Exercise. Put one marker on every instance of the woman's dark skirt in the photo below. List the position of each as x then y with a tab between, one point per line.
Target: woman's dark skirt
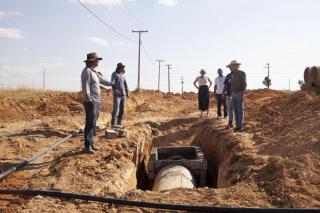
203	97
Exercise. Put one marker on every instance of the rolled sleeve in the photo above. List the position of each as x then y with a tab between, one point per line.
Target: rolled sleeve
104	81
85	82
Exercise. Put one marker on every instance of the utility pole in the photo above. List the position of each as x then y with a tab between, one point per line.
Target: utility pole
44	79
159	61
169	67
289	84
182	82
268	67
140	32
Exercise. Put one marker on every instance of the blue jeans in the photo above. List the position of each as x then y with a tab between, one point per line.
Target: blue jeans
230	108
92	111
118	109
238	106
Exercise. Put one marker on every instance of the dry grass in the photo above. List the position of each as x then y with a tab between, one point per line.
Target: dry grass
22	93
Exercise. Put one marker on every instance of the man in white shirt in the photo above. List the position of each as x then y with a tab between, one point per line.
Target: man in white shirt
218	93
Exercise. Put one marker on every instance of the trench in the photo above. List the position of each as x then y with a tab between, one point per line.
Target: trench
218	148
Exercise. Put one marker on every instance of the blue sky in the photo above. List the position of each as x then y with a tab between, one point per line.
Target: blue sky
189	34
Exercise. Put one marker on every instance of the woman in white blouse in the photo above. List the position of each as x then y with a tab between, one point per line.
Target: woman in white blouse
204	83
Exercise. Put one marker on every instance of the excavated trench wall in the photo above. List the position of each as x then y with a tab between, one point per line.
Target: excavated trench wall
222	153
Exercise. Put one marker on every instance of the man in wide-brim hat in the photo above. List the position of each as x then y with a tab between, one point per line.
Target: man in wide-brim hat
120	93
90	81
238	87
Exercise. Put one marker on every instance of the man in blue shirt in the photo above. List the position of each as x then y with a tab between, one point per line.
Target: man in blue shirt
120	92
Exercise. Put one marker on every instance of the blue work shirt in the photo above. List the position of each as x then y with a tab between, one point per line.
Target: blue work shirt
119	84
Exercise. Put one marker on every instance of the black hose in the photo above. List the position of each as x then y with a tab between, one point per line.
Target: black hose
194	208
38	155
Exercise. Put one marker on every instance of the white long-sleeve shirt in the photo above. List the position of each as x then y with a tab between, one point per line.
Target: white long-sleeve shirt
90	81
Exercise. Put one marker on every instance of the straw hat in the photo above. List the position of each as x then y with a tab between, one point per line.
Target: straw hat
92	57
233	62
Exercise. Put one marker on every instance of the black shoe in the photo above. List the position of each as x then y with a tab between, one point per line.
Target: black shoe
88	150
238	130
95	148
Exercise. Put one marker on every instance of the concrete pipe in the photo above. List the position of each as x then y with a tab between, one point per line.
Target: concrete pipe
172	177
315	75
307	75
306	87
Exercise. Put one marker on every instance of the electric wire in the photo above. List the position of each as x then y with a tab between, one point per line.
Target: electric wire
105	23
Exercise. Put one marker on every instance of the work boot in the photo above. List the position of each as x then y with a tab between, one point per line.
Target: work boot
95	148
230	125
239	130
88	150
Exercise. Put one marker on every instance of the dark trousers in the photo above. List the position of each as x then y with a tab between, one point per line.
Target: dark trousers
203	98
92	111
221	101
118	109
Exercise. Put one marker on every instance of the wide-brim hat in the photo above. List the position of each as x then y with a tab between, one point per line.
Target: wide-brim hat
120	65
92	57
233	62
202	71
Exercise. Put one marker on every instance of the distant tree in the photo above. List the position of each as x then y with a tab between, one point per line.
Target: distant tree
267	82
300	82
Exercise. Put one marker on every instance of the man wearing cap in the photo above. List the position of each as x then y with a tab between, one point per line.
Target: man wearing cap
91	80
238	87
120	92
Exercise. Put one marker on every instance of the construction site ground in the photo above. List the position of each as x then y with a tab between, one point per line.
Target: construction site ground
275	162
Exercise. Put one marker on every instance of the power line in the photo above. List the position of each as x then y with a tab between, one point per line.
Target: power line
147	54
137	21
103	22
129	16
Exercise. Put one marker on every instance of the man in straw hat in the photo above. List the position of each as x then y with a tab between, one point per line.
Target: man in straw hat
238	87
91	80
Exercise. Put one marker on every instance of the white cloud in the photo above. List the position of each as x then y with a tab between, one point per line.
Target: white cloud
108	3
97	41
51	65
11	33
6	14
297	47
168	3
3	59
122	44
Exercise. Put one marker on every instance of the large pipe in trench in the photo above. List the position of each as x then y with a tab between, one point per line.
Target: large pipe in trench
172	177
